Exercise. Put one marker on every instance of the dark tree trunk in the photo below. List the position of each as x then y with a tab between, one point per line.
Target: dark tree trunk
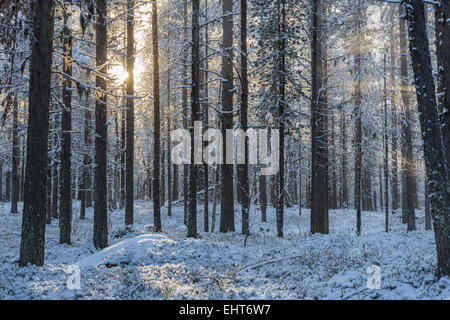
244	183
157	123
163	174
442	22
185	108
263	197
344	197
169	162
15	157
49	189
280	190
386	152
319	139
34	209
427	206
65	205
381	190
434	152
215	200
409	161
206	122
8	186
101	130
195	116
86	198
358	127
129	185
227	194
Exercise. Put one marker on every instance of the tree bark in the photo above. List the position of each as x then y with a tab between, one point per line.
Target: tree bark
129	153
65	206
185	109
195	116
358	141
434	152
34	209
227	194
157	123
409	161
442	15
319	139
101	130
244	183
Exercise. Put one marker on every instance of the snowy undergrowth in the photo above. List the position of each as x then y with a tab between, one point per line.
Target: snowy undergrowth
143	265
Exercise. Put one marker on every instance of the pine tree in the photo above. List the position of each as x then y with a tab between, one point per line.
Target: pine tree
129	194
227	194
434	152
101	206
34	208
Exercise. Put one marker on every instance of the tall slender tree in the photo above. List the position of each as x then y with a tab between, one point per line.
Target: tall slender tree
434	151
34	208
101	130
195	116
358	115
227	193
129	186
157	123
319	144
408	171
65	207
244	185
442	23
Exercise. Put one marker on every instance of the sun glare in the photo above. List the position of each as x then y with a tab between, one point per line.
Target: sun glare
118	74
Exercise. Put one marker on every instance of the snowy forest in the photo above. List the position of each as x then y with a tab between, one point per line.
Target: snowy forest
220	149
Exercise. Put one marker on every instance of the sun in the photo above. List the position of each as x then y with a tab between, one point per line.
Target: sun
118	74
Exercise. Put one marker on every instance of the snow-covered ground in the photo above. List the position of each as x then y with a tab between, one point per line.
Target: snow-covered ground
143	265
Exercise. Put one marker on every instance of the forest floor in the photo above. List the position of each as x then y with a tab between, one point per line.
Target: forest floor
144	265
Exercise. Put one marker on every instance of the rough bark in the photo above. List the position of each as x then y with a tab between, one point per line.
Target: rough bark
244	183
407	132
319	135
101	202
434	152
129	153
358	127
195	116
227	193
442	15
34	209
157	123
65	206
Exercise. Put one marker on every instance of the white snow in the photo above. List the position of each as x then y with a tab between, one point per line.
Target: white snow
142	265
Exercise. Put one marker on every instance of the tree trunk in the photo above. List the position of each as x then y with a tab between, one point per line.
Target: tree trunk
442	22
185	108
227	194
34	209
195	116
101	130
358	141
434	151
169	162
157	123
15	157
129	153
386	152
409	161
319	139
206	122
244	183
65	206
